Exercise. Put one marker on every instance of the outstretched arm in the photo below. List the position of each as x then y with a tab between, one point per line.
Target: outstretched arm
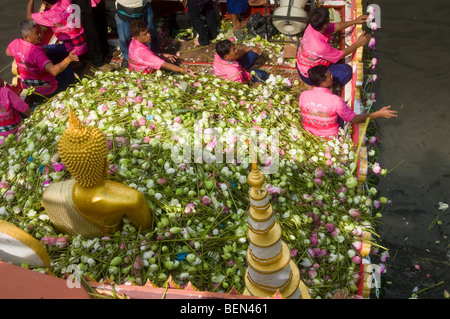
345	24
385	112
361	41
30	9
55	69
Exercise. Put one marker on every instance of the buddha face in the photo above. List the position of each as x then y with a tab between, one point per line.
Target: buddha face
84	152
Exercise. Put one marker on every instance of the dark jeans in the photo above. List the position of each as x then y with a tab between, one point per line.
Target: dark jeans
206	8
342	73
123	31
94	22
247	62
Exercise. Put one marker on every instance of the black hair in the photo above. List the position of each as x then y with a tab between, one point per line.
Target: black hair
317	74
52	2
223	47
136	26
319	17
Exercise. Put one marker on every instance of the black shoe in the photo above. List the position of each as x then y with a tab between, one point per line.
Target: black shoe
124	64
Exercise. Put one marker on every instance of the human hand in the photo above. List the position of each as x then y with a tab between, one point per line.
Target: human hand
169	57
72	57
190	72
364	39
386	112
361	19
256	50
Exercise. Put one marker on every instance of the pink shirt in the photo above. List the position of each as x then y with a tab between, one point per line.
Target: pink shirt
142	59
230	70
320	108
316	50
31	60
58	17
11	105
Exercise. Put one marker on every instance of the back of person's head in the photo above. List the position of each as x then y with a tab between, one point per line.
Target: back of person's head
51	2
223	47
319	17
137	26
317	74
26	26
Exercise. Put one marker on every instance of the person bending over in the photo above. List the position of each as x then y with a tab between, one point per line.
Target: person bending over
35	68
12	108
231	63
320	108
142	59
315	48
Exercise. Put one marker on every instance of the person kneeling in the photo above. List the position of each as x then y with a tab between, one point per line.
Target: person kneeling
321	108
233	64
142	59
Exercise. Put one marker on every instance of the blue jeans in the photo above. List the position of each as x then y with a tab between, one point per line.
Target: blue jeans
342	73
123	30
247	62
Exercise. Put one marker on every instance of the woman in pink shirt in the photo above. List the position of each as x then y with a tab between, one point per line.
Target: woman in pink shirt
142	59
11	107
315	48
35	68
321	108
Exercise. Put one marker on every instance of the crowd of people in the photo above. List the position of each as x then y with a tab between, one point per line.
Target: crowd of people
48	69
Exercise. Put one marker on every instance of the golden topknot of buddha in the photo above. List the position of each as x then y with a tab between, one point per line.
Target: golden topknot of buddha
84	151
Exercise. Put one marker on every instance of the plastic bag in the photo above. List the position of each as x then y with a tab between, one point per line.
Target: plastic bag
260	25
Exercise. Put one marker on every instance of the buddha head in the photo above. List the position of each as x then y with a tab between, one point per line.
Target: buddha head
84	152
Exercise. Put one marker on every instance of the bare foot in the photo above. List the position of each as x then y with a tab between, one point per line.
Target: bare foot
196	43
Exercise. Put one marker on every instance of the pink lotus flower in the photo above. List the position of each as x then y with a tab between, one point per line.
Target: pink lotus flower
149	104
318	181
61	242
47	182
142	121
372	43
51	241
161	181
58	167
354	212
4	184
372	139
329	227
356	259
357	245
10	194
206	200
121	141
376	168
294	253
319	173
177	119
339	170
112	169
189	208
147	139
102	90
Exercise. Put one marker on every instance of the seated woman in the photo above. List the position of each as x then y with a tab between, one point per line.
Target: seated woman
88	204
11	108
142	59
34	66
315	48
233	64
320	108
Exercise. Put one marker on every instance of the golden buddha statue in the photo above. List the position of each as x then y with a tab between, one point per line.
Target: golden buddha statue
88	204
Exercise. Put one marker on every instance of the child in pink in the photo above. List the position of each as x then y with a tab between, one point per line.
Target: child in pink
233	64
11	105
59	16
141	58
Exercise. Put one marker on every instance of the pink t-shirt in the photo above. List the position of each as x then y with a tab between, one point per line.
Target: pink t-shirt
31	60
11	105
230	70
316	50
58	17
320	108
142	59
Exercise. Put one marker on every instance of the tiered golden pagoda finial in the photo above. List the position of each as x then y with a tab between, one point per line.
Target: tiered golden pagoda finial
270	268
